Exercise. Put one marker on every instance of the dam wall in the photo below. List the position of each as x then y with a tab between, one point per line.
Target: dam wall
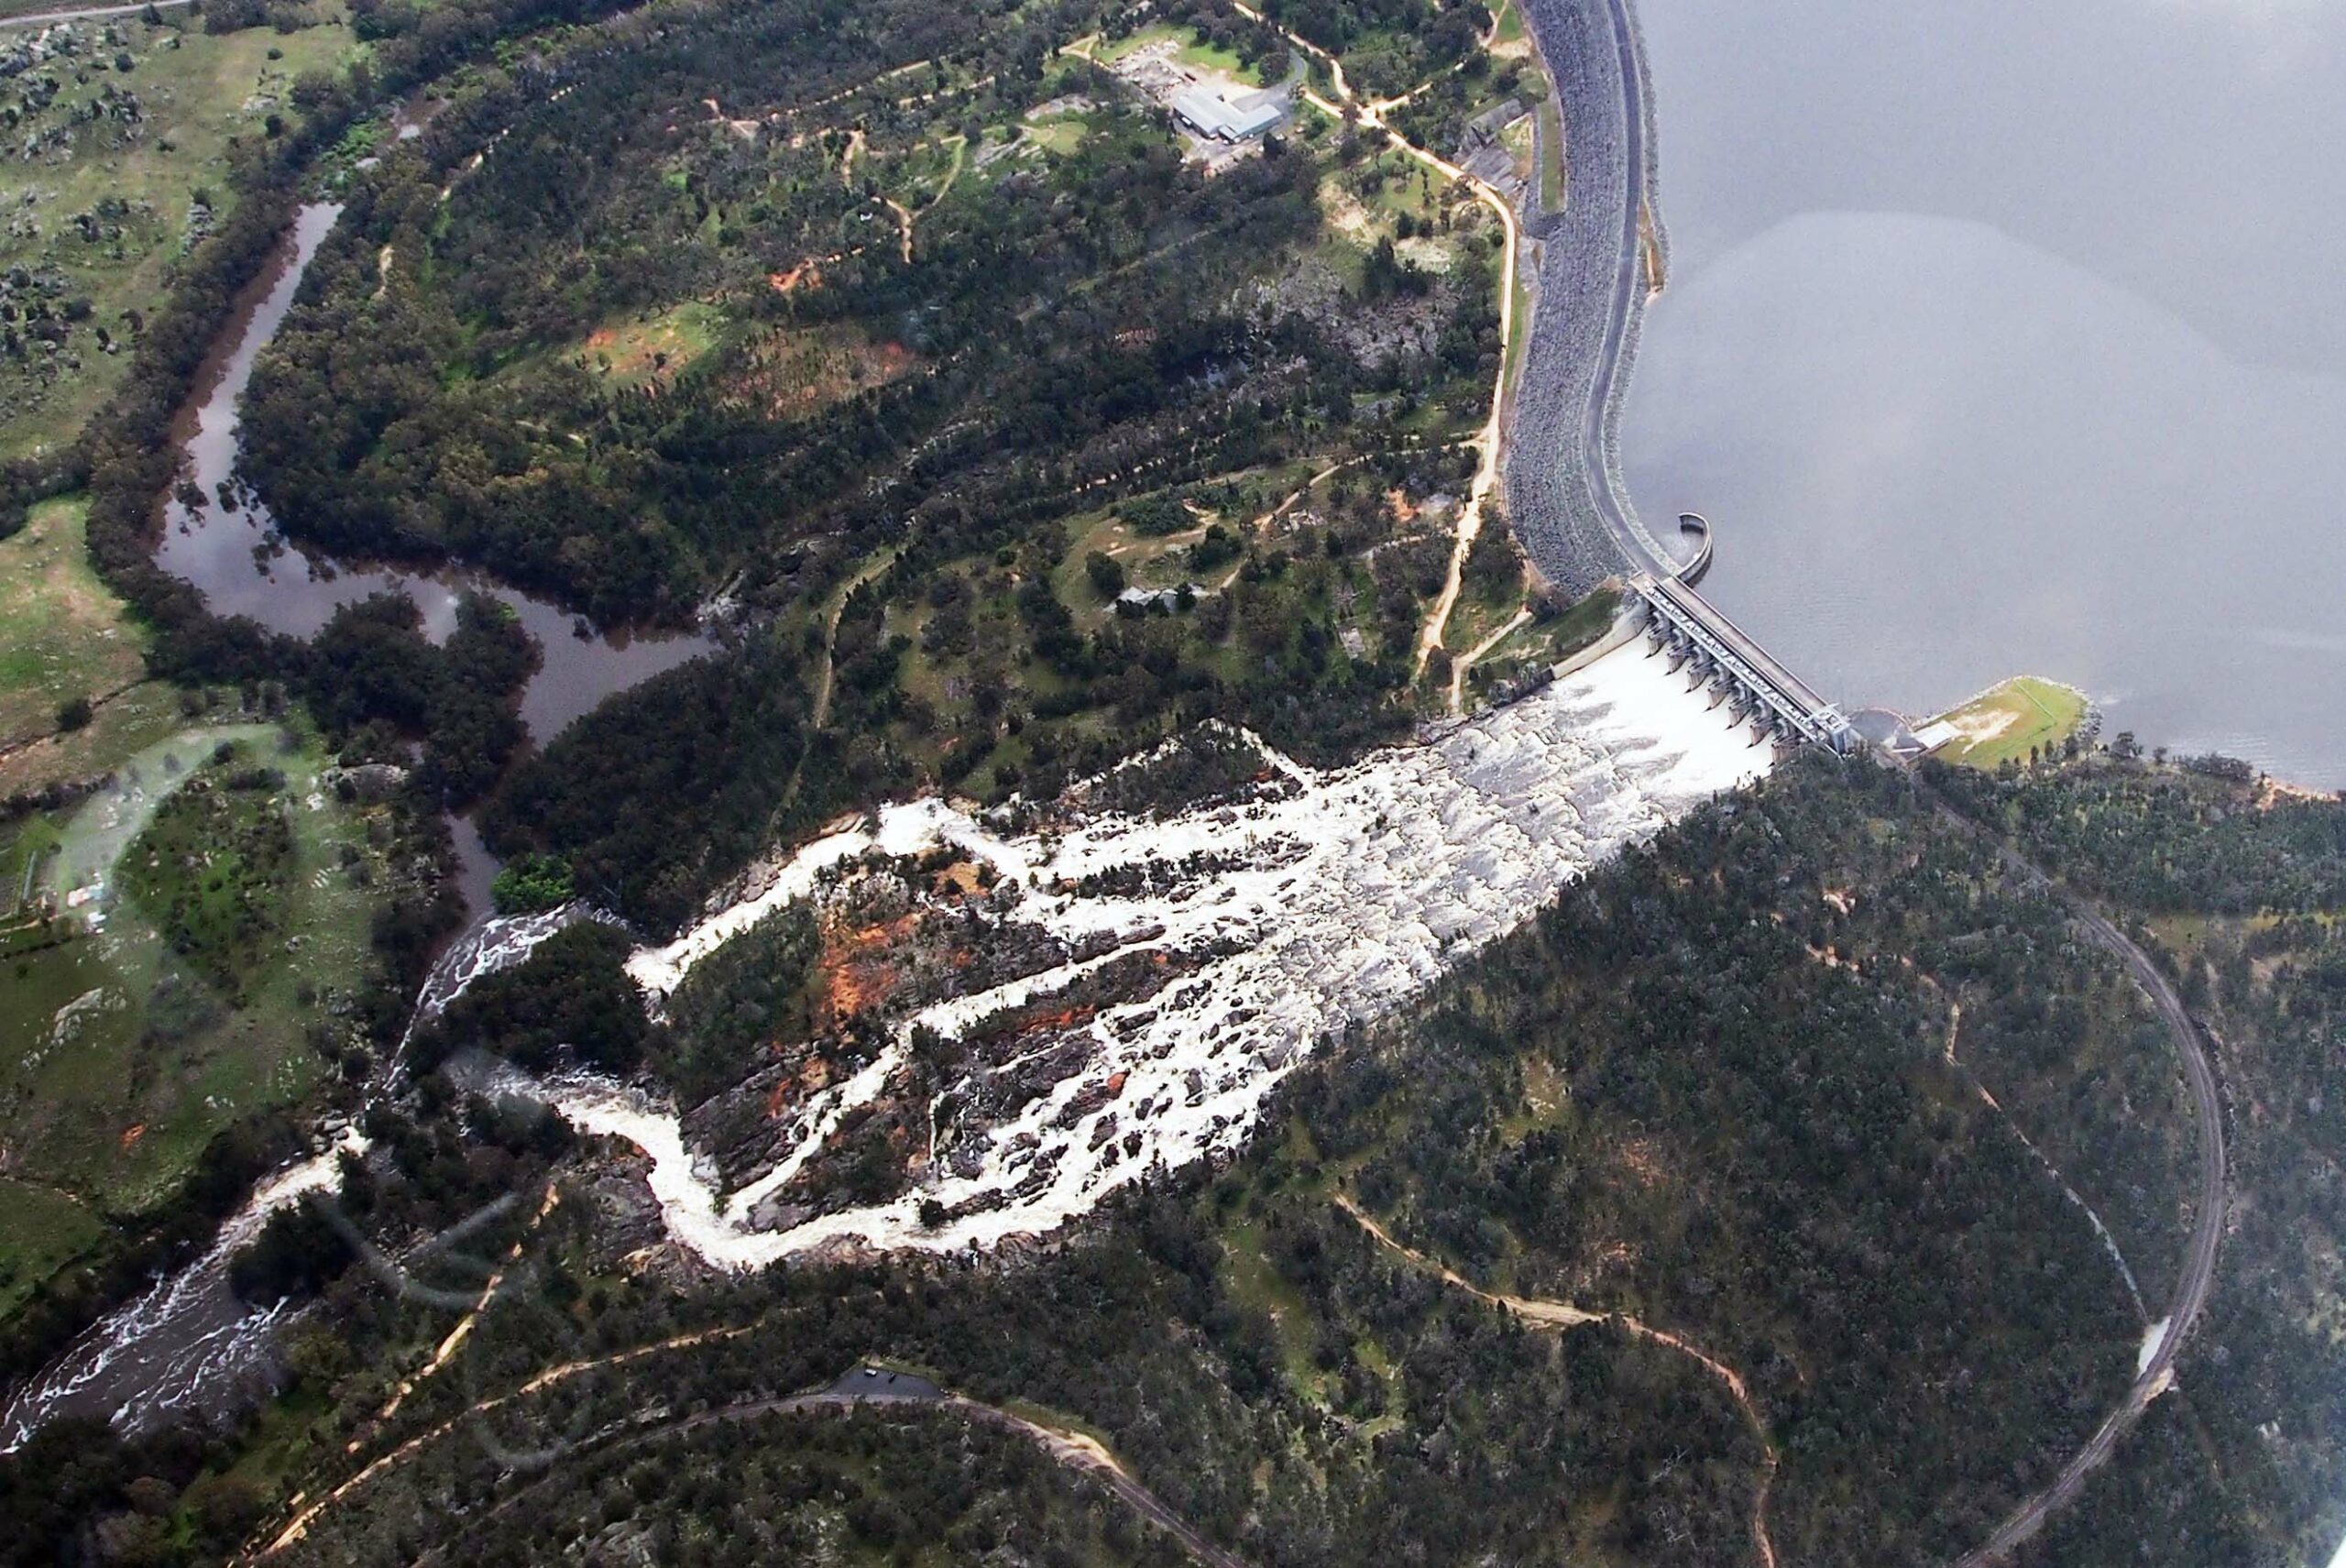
1566	494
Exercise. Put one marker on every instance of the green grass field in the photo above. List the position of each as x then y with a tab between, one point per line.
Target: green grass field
63	634
1191	51
124	1055
136	183
2001	724
1549	156
643	349
41	1230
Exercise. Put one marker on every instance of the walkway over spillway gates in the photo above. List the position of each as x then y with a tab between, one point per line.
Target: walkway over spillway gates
1684	624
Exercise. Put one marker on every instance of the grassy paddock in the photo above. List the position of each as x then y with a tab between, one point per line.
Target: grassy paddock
2002	723
129	1049
1192	52
41	1230
63	634
198	93
644	349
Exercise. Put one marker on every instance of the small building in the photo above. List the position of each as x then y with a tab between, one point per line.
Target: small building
1485	127
1936	734
1210	114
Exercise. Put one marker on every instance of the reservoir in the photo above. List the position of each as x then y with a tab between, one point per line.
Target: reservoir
2004	339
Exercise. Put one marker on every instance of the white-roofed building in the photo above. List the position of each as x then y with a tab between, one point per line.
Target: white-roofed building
1209	113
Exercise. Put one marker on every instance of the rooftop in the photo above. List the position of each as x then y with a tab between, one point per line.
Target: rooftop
1209	114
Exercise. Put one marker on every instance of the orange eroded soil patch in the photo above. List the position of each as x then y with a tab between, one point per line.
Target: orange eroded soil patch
856	966
648	353
793	373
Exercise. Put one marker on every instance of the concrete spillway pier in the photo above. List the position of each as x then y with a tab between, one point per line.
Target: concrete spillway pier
1565	493
1762	690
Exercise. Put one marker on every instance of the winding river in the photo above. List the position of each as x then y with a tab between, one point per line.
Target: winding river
187	1344
2005	339
244	567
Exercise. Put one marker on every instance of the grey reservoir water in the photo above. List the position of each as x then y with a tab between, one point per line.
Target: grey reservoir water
2013	338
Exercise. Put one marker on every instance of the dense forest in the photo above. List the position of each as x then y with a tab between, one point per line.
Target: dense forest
1729	1089
2239	888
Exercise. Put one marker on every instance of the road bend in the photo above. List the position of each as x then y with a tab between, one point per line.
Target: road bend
1577	525
860	1388
2198	1273
1569	503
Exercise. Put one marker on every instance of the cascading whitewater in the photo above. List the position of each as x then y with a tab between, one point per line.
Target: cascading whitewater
1332	902
183	1342
1344	894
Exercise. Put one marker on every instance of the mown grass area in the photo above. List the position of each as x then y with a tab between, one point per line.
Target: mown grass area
134	721
1549	154
1559	637
652	347
1526	299
63	634
198	979
41	1230
1159	561
1060	135
1190	51
133	183
2001	725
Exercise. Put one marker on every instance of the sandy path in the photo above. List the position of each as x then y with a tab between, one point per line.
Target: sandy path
1564	1315
1073	1450
1488	440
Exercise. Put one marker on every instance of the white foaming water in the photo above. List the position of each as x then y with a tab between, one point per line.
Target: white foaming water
187	1338
1344	898
498	943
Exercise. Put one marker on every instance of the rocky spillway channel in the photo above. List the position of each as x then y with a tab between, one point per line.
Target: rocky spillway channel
1127	989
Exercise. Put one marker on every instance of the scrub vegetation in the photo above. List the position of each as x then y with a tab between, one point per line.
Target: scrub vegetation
1728	1093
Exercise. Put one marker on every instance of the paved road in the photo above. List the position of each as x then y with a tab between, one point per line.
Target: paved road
1611	382
86	14
2200	1262
1563	486
1561	483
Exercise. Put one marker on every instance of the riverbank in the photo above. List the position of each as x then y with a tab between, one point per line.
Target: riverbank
243	565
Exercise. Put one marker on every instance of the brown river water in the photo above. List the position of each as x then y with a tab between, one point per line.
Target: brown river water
244	567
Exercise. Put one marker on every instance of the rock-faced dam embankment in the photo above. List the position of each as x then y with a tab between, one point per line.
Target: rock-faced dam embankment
1564	484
